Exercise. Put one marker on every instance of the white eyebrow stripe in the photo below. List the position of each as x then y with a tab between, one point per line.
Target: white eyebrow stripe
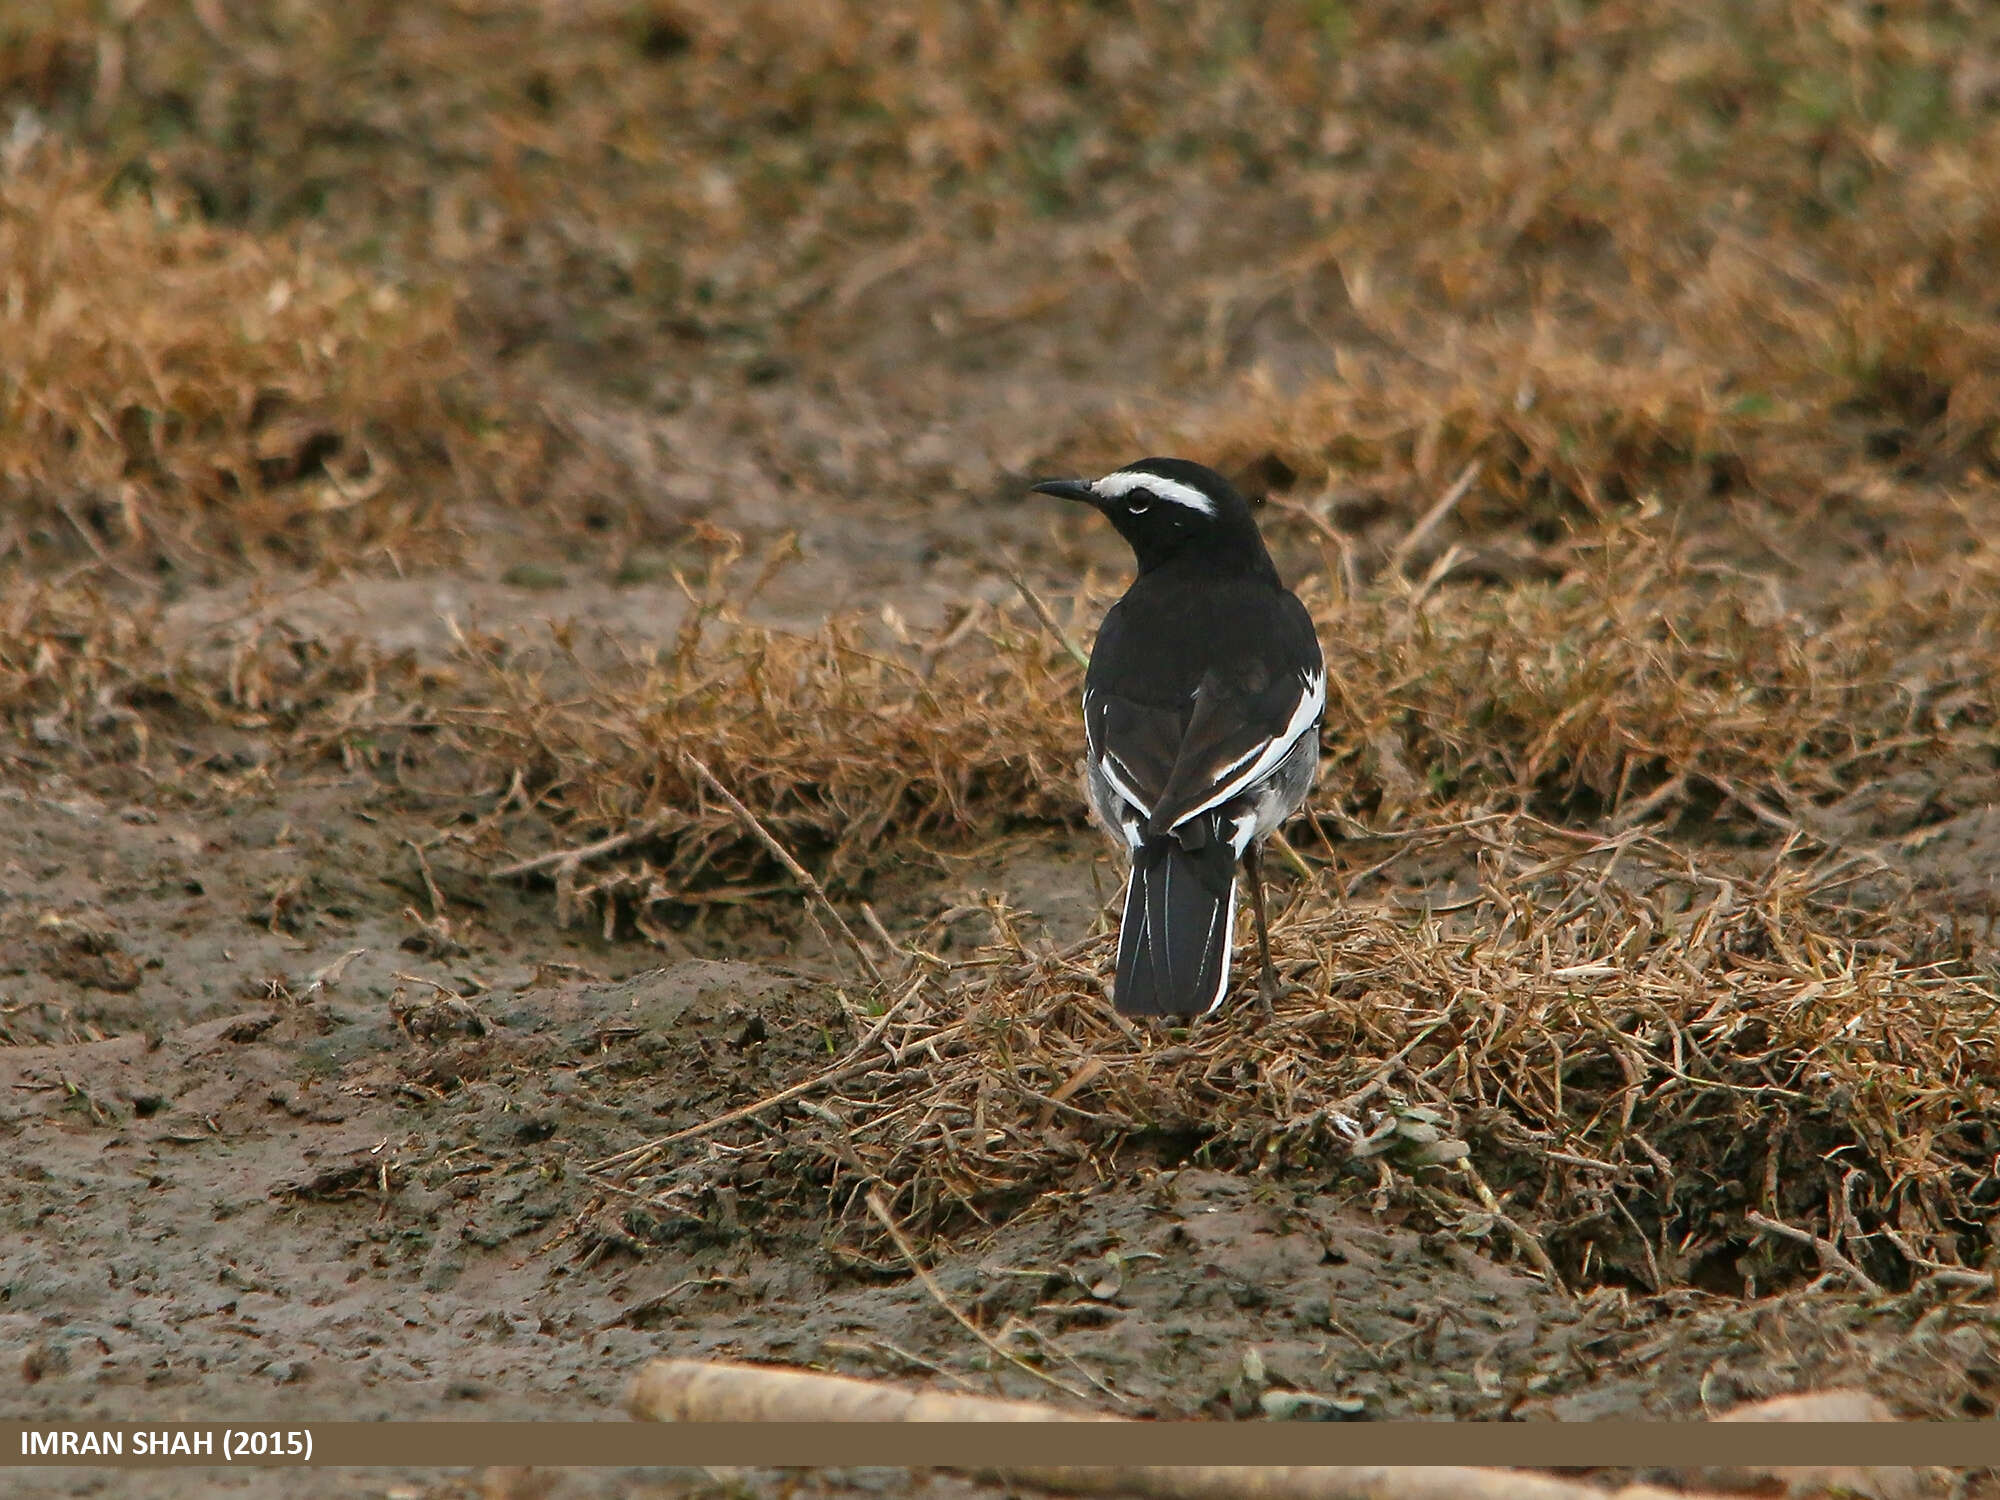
1116	486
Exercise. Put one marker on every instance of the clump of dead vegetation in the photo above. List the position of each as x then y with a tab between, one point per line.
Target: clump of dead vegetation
1648	250
173	392
1644	675
1607	1058
1722	1060
66	661
1604	956
852	748
1711	1062
90	681
1639	684
1771	215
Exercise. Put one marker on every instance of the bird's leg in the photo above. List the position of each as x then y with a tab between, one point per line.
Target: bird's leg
1267	986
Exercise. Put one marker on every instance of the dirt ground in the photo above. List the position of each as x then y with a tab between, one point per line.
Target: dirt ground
1653	874
289	1170
285	1177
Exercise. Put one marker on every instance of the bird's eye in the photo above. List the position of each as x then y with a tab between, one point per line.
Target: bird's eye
1139	503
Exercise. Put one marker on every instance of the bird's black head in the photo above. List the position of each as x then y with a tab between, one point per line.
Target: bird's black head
1169	508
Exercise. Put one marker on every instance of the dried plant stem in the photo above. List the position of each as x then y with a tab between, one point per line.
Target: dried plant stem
1048	619
1317	1482
783	856
1530	1245
888	1222
1829	1253
1292	856
1431	519
1635	813
692	1390
573	857
430	884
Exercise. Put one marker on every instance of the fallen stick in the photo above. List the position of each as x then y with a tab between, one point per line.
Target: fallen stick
1048	619
688	1390
693	1390
1319	1482
1830	1258
783	855
609	845
1432	518
888	1221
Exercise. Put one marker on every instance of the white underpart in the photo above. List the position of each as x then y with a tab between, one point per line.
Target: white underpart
1273	751
1117	486
1266	813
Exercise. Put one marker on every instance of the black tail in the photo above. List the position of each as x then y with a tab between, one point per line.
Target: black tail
1180	914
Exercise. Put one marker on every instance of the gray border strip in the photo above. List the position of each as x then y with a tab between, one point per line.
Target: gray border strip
1679	1445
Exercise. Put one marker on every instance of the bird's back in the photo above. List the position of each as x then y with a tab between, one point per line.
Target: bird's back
1170	631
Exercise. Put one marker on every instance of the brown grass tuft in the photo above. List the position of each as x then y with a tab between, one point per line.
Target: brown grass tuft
1600	1059
169	390
854	748
1642	680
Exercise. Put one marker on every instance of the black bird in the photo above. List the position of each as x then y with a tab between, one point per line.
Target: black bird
1201	711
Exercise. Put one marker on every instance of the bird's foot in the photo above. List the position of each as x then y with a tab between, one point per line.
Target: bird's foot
1271	989
1268	991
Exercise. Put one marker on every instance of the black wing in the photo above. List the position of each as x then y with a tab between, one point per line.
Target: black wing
1184	707
1233	739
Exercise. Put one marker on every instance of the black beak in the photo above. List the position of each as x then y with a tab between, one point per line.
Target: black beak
1066	489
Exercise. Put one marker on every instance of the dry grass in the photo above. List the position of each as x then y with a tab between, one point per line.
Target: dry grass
88	681
1640	249
1643	667
1641	1043
1600	1060
1649	173
171	391
68	661
1640	683
1705	295
852	747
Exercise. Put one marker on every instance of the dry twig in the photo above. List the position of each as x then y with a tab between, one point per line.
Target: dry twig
881	1212
1828	1252
610	844
796	870
1431	519
1048	619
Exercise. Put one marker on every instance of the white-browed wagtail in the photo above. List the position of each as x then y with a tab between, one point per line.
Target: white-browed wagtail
1201	711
